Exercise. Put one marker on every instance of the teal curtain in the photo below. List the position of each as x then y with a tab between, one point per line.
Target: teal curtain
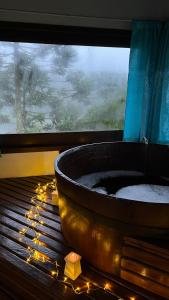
147	104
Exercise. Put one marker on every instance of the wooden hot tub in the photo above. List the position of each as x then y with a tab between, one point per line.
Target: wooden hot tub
94	219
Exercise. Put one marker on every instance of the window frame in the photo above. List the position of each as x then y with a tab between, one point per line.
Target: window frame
67	35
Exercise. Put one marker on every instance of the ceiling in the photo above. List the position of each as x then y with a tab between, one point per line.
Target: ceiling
107	13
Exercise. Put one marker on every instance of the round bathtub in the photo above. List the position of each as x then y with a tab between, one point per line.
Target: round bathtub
95	212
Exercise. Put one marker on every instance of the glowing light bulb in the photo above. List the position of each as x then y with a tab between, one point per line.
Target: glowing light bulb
22	231
107	286
65	279
77	290
54	273
88	286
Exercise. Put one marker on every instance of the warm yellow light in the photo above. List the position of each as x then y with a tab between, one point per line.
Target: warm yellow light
33	224
132	298
41	222
53	273
22	231
65	279
55	199
116	259
72	266
35	240
28	260
144	272
107	286
88	286
77	290
38	207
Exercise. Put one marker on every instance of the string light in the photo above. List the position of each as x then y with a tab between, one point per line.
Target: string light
107	286
33	218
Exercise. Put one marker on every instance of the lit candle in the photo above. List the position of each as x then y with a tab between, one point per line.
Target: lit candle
72	266
55	198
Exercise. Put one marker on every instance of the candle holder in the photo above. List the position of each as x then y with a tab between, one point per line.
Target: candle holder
72	266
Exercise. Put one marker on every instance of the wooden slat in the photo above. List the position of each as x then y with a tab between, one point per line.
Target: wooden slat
4	295
36	281
146	271
146	257
53	234
6	194
158	248
15	207
145	283
44	268
52	244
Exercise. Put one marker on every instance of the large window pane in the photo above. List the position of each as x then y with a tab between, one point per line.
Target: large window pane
51	88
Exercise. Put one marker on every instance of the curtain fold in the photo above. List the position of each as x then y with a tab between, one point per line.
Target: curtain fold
147	104
159	118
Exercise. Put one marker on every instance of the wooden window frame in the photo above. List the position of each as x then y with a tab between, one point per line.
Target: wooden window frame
68	35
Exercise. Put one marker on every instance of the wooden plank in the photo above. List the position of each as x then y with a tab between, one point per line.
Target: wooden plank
9	265
150	246
14	202
37	179
147	272
145	283
18	199
12	187
21	253
53	234
123	288
50	243
14	236
4	295
22	211
27	282
146	257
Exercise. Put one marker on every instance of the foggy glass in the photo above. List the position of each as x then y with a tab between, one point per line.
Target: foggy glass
51	88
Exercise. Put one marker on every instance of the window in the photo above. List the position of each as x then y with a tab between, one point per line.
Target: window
51	88
62	84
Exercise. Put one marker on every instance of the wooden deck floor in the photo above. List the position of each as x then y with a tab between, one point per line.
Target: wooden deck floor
20	280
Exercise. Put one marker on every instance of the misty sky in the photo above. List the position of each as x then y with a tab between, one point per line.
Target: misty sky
89	58
92	58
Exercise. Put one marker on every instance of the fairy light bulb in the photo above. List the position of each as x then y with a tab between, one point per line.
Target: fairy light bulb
53	273
22	231
107	286
88	286
77	290
39	202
